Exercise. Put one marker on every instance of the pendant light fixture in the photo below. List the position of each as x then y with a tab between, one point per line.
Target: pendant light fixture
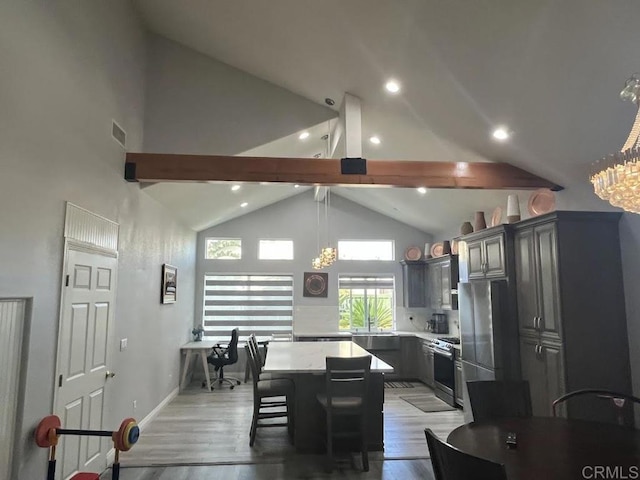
328	254
316	263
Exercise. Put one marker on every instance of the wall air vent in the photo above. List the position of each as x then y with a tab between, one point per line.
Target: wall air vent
118	134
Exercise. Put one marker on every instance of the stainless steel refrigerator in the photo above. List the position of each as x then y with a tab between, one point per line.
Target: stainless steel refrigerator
488	333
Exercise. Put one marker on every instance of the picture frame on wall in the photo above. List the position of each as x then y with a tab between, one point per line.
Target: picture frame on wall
169	287
315	284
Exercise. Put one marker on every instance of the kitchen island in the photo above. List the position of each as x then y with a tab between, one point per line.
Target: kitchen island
304	363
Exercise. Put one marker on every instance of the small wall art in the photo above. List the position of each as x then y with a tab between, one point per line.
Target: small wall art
315	284
169	286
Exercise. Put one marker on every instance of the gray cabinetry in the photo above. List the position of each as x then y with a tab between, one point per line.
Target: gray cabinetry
487	258
409	358
542	365
425	363
413	279
442	282
571	309
537	280
459	384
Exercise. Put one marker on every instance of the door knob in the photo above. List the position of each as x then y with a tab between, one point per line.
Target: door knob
110	374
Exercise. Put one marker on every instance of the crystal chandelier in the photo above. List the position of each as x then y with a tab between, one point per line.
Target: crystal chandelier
616	177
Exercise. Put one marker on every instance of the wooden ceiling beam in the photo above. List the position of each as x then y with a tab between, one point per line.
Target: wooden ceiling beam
160	167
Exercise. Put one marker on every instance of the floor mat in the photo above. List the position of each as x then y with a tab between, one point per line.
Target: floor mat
397	385
427	402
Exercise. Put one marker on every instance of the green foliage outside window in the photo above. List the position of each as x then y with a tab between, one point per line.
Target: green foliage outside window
354	309
224	248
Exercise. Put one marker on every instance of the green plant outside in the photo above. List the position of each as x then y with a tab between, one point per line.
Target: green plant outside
224	249
353	310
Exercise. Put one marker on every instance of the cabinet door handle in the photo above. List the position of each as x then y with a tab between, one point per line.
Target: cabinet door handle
539	323
535	324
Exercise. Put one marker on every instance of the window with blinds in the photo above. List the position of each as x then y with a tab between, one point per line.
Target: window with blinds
366	302
260	304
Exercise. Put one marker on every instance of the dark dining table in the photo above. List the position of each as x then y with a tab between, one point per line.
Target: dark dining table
553	448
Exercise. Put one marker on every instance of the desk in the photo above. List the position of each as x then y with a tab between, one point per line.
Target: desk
305	364
552	448
202	348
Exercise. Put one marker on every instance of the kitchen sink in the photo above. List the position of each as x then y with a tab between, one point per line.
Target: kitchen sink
377	340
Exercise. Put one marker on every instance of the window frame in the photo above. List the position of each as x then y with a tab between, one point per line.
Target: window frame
293	256
222	326
206	248
391	243
378	285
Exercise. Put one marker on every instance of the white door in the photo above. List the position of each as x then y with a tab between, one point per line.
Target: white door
88	302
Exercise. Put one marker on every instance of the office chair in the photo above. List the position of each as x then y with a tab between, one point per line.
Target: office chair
449	463
492	399
221	357
347	381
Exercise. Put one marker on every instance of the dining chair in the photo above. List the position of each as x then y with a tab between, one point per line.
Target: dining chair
623	417
272	398
345	395
260	359
492	399
450	463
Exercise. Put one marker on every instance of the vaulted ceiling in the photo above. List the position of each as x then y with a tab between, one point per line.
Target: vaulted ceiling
551	70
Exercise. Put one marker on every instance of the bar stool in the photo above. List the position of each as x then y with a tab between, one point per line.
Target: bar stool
347	380
267	399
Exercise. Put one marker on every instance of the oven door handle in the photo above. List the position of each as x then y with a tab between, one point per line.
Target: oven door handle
443	353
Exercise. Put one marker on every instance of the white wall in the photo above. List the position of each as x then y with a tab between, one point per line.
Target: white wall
295	218
68	68
198	105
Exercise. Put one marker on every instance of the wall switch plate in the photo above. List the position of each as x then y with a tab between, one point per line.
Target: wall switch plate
135	404
123	344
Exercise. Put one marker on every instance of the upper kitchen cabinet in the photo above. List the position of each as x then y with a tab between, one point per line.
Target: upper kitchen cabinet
485	254
413	279
571	308
442	282
537	280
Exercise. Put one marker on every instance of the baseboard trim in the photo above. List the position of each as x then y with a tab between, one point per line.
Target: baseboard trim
144	423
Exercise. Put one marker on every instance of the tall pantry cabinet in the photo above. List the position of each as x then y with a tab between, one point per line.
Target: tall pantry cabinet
571	311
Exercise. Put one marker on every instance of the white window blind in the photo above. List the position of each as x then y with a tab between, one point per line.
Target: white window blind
260	304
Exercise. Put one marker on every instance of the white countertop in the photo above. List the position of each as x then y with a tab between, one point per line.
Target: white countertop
309	357
400	333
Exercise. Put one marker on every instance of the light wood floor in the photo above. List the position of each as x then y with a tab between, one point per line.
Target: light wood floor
204	434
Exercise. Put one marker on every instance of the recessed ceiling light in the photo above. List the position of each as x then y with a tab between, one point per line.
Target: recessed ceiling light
235	188
244	204
501	133
375	140
303	135
392	86
296	186
421	190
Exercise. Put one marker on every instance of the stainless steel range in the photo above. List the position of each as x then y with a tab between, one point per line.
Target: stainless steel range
444	368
